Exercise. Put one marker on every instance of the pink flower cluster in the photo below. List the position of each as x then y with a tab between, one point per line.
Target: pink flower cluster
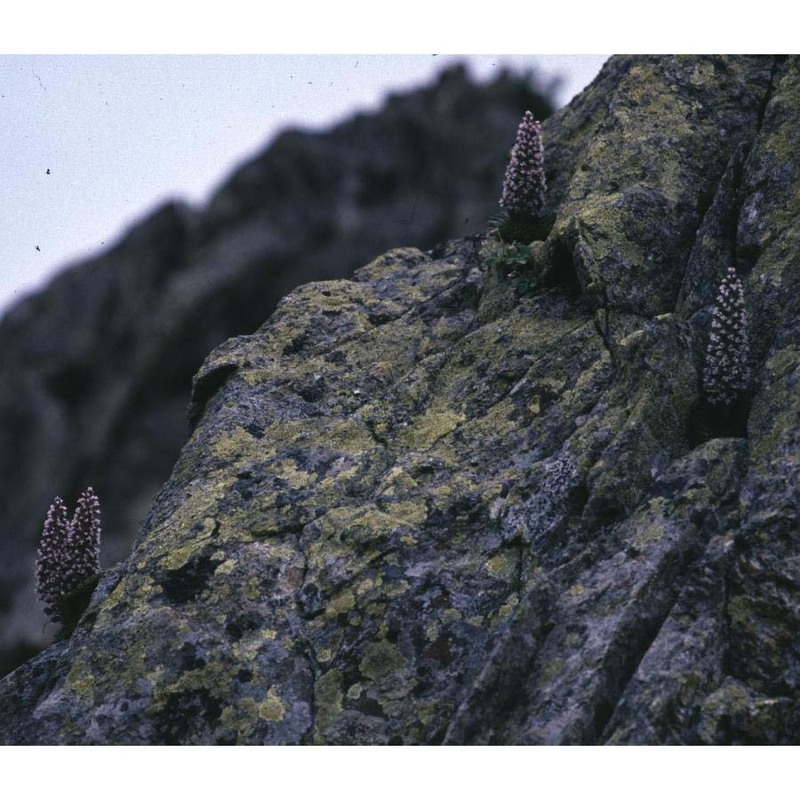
69	552
524	186
727	373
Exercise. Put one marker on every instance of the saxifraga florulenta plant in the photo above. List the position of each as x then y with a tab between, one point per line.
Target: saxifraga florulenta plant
68	560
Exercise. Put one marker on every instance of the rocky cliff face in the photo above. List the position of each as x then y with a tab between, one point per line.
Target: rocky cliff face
421	507
95	371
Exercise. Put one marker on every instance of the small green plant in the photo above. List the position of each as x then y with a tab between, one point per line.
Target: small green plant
507	229
514	262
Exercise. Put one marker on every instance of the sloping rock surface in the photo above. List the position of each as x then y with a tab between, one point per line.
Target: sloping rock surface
95	371
419	507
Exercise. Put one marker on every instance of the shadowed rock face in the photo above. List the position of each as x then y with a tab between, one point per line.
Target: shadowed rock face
95	371
417	507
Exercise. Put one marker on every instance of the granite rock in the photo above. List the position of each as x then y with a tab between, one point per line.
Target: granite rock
420	506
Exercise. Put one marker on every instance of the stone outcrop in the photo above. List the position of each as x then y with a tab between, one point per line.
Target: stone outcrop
421	506
95	371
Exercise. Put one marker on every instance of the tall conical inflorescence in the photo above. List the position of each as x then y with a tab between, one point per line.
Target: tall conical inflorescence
52	555
83	541
69	552
727	374
524	186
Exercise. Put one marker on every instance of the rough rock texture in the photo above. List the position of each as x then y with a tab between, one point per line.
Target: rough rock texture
95	371
419	508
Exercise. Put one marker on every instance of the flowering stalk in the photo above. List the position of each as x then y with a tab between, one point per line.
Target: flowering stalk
52	554
69	553
727	375
524	186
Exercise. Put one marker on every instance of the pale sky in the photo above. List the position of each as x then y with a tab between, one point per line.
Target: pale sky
90	144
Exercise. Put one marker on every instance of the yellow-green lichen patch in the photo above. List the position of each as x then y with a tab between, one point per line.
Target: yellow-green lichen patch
380	659
132	592
294	478
354	692
179	555
432	629
214	679
459	490
253	643
432	714
780	240
328	636
264	373
241	718
454	615
397	587
381	357
82	682
409	513
386	265
350	436
367	585
135	663
328	695
503	565
348	541
781	364
636	127
226	567
552	669
784	107
375	609
732	698
236	446
342	603
271	708
604	223
397	484
253	588
424	431
261	518
303	315
280	435
506	610
652	534
499	421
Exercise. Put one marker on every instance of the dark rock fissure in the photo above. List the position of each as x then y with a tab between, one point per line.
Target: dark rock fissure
187	583
637	645
777	63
